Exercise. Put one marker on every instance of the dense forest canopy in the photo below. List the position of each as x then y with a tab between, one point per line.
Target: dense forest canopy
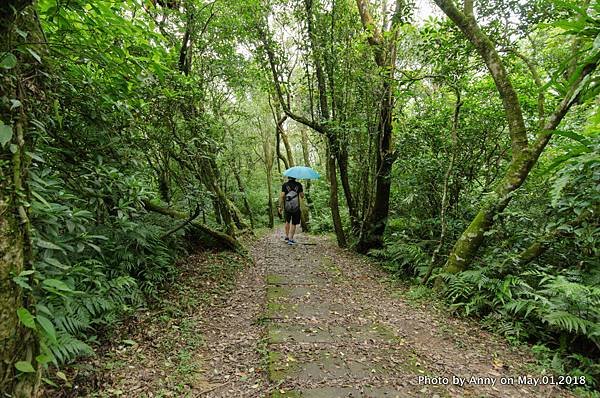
461	150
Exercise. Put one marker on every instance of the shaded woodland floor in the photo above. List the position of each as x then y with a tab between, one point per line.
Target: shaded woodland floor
308	320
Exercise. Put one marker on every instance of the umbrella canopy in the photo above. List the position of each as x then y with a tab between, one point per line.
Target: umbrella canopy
302	172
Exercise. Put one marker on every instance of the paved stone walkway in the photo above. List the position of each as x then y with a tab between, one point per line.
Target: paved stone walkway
333	331
320	344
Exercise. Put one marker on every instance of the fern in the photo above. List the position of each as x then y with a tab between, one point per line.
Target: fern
68	348
566	321
402	257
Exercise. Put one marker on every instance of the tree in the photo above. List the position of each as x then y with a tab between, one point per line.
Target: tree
320	127
384	52
524	154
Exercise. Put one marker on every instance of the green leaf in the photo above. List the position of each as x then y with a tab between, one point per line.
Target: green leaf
95	247
22	282
26	272
49	382
35	55
56	284
25	367
574	136
129	342
47	326
561	159
47	245
15	104
43	308
8	61
43	359
21	33
26	318
54	262
6	133
34	156
41	199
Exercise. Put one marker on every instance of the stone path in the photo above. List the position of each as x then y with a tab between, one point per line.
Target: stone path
334	330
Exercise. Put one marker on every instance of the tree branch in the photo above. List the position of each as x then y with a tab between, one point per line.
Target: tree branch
487	51
286	109
222	239
189	220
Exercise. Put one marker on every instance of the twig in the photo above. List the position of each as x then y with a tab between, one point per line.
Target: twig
189	220
214	388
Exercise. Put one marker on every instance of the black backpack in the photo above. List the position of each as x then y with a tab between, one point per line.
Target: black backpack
292	200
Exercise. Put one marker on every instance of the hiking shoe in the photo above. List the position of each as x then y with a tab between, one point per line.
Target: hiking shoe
286	239
291	242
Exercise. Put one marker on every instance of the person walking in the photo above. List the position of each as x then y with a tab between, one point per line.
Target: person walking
289	199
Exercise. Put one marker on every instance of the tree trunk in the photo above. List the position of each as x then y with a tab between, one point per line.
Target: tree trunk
342	160
17	343
384	52
221	240
242	190
237	217
447	175
309	201
217	211
268	160
278	135
184	63
373	229
270	199
333	200
287	146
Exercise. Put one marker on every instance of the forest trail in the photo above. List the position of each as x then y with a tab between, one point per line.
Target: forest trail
310	321
336	329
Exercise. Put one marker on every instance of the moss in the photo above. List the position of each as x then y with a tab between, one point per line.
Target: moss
276	292
469	242
278	368
286	394
273	279
274	309
386	333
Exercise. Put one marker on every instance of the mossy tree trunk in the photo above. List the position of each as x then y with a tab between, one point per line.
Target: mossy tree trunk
17	343
242	189
220	239
333	199
268	159
308	204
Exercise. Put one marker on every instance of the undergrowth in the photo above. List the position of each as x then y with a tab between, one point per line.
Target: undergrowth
549	298
165	331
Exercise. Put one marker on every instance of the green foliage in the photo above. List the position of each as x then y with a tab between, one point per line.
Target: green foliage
536	278
534	304
89	274
403	258
130	108
554	298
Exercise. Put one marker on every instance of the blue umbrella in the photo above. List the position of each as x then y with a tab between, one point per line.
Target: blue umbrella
302	172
